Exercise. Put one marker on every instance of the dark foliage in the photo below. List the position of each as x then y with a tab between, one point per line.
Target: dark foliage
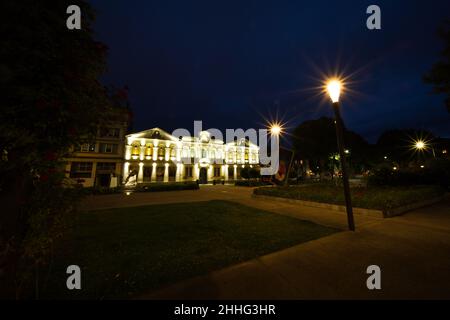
316	141
439	75
435	172
51	101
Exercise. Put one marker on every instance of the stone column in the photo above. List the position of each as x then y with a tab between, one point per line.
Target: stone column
167	153
140	177
155	153
235	172
166	172
142	153
153	177
178	172
225	172
126	167
195	172
127	152
210	173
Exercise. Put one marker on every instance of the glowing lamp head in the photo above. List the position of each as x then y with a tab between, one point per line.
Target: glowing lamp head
275	130
334	87
420	145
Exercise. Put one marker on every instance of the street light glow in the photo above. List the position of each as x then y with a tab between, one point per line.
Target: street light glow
275	129
420	145
334	89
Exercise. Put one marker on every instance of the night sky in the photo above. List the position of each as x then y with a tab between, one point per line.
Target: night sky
233	64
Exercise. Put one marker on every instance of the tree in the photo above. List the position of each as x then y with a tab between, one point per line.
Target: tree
315	140
51	100
439	75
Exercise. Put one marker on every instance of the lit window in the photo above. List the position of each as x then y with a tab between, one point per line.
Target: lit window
161	152
86	147
149	150
135	150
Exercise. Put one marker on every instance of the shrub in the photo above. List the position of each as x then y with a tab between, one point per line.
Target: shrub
435	172
101	190
373	197
250	183
173	186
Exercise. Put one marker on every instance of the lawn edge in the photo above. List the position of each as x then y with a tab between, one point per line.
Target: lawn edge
386	213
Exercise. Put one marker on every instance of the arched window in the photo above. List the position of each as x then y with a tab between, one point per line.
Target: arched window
149	150
135	149
173	152
161	151
204	153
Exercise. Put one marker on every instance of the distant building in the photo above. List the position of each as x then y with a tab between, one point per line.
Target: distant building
100	162
156	156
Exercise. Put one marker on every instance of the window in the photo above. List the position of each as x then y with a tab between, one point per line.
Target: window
85	147
246	155
109	132
106	166
173	152
108	148
135	150
81	170
149	150
161	152
204	154
217	172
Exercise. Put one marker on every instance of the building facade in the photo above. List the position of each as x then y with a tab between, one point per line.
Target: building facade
156	156
99	163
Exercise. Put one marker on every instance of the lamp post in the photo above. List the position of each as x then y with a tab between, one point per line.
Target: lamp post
334	90
421	145
276	130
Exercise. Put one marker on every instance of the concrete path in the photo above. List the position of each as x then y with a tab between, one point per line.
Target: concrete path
412	250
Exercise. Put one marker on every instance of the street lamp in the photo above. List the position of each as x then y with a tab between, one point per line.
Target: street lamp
421	145
334	88
276	130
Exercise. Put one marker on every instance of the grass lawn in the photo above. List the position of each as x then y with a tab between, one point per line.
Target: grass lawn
380	198
127	251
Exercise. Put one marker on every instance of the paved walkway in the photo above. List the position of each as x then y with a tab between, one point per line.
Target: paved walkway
413	252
